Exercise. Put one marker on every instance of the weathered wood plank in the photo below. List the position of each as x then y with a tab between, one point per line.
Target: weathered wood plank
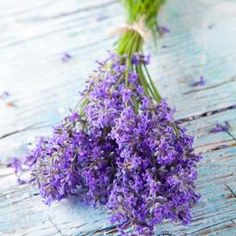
35	35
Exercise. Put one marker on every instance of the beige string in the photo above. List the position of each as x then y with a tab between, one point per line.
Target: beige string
138	26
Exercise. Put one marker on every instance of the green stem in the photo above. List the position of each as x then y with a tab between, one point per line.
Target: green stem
129	44
142	80
157	95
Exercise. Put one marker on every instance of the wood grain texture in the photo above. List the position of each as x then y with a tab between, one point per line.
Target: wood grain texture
34	35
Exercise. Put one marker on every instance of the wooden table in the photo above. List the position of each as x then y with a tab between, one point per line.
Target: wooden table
34	36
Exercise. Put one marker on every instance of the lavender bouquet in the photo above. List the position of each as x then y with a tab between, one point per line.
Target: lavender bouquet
121	147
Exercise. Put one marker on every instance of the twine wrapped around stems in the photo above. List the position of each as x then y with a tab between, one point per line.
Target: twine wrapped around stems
138	27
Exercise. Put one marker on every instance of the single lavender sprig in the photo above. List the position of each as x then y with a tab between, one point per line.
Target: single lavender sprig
200	82
220	127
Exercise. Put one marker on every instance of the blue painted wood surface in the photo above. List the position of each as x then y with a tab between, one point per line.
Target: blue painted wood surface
34	35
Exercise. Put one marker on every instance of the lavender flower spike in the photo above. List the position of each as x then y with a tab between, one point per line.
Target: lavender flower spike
221	127
201	82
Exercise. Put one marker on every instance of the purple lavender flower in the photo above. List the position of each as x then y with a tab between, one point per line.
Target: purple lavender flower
18	167
135	59
201	82
139	58
73	162
126	95
66	57
221	127
16	164
4	95
163	30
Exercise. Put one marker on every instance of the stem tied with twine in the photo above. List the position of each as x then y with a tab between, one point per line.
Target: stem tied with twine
141	25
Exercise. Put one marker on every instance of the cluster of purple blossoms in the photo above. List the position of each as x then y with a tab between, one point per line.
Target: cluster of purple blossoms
123	150
74	161
156	170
